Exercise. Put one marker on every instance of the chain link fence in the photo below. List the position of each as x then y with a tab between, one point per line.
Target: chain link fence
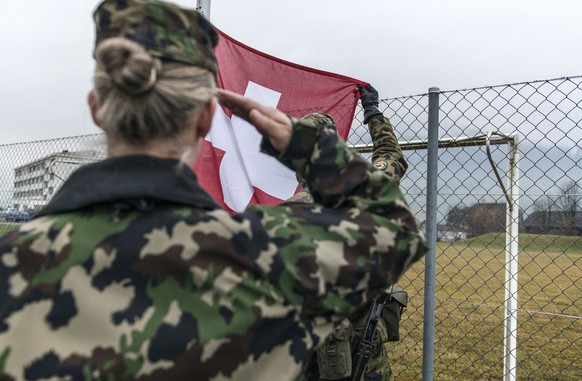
478	130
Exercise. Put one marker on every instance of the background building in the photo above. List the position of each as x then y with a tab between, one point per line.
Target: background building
36	182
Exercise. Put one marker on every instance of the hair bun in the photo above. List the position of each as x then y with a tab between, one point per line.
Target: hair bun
130	67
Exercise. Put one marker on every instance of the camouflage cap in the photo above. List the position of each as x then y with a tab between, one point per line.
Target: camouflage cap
164	29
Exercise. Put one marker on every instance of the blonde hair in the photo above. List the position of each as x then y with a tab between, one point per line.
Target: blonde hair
141	97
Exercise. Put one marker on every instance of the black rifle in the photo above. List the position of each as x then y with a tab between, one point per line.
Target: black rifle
366	345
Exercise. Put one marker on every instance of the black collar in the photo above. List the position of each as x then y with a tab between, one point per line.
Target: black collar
129	178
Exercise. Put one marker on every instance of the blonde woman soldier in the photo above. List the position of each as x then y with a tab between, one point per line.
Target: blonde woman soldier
132	272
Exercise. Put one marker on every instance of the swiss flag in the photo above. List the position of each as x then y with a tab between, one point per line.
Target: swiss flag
230	166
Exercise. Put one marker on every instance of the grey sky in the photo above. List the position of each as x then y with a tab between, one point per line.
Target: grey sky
401	47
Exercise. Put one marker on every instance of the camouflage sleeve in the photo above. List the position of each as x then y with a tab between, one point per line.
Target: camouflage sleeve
302	196
387	154
336	175
357	239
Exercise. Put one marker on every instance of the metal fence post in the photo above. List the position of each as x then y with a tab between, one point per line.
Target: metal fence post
203	6
430	225
511	266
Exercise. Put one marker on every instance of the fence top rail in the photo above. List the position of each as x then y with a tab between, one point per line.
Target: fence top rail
514	84
52	140
566	78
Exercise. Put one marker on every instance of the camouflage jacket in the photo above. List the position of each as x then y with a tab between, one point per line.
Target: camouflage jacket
133	273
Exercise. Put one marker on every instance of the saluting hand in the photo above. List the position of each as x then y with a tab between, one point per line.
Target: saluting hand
273	124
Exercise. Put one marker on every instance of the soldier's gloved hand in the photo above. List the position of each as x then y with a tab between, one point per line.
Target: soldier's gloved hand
369	98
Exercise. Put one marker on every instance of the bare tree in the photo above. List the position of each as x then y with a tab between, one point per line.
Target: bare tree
569	204
543	208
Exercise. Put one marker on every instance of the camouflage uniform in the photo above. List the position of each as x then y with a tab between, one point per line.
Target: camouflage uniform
133	273
387	156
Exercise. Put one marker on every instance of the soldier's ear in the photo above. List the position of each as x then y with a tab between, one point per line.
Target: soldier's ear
205	118
93	106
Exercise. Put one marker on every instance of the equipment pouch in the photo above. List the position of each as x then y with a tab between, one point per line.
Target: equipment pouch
334	357
392	312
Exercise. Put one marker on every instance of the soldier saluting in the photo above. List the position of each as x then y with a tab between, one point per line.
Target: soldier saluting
132	272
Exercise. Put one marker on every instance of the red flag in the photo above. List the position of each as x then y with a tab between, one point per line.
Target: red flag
229	165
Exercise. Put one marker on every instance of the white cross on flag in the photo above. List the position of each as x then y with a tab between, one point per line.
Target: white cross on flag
230	166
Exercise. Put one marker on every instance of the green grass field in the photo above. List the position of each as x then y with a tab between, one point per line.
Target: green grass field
469	311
